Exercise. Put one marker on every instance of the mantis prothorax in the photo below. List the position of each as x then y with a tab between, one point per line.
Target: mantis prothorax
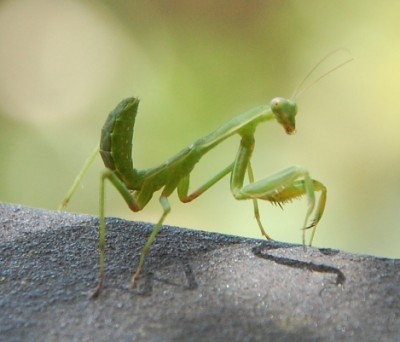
138	186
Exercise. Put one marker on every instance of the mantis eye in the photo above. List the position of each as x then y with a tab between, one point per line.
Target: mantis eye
285	111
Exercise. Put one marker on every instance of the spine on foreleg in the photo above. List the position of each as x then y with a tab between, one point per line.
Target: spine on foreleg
116	139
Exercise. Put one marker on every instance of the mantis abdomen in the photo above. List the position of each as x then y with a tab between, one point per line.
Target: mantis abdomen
116	140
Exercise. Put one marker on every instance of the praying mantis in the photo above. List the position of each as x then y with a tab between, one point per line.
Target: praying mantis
138	186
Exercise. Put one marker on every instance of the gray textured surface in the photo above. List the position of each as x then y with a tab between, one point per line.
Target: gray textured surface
196	286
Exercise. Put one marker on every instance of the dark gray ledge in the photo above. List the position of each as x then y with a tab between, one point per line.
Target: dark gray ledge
196	286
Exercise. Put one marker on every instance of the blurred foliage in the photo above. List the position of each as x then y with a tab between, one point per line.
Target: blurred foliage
195	64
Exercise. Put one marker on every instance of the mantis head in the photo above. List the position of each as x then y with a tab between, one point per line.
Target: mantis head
285	111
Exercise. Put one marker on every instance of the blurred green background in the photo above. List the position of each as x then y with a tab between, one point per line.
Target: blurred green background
194	64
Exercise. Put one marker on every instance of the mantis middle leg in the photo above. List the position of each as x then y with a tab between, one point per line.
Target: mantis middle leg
136	202
255	204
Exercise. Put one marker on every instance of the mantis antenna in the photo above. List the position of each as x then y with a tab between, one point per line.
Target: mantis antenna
298	91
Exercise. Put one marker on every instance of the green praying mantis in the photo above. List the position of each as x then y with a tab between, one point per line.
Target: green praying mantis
138	186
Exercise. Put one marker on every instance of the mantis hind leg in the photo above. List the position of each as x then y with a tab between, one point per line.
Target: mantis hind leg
133	204
79	177
136	201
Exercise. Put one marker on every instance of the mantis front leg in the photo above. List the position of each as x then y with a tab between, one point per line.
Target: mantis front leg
279	188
